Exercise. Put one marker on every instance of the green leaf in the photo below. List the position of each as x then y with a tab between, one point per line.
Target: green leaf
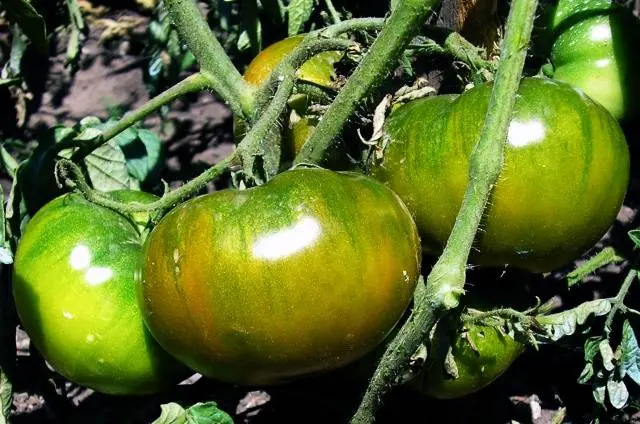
6	256
630	354
606	352
107	168
591	348
565	323
143	155
200	413
634	235
618	393
6	397
299	12
171	413
30	21
599	393
586	374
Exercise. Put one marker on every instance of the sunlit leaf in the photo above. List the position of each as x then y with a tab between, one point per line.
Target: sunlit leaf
299	12
630	355
565	323
618	393
200	413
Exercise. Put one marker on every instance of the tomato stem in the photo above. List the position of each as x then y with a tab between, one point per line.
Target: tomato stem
617	303
445	283
72	176
192	84
403	24
225	79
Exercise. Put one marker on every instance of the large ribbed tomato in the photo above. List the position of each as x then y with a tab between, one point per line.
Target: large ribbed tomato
73	286
564	178
303	274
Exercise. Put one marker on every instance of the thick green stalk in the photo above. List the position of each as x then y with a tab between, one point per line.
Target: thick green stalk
445	283
403	24
192	84
226	80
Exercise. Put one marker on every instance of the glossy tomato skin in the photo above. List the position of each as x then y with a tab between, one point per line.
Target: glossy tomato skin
596	49
564	177
319	70
304	274
482	354
74	291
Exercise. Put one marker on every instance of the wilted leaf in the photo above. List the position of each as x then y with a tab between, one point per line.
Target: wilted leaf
565	323
30	21
450	366
618	393
107	168
630	356
299	12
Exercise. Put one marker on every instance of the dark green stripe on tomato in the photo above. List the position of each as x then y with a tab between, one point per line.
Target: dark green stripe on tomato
304	274
563	181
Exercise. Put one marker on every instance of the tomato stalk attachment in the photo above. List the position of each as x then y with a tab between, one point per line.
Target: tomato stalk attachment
445	283
403	24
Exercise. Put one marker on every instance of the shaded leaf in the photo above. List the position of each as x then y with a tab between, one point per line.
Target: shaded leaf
630	354
618	393
299	12
591	348
634	235
30	21
107	168
143	155
586	374
565	323
6	397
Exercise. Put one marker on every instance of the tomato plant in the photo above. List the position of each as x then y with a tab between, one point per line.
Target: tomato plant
318	71
595	48
263	285
565	173
74	292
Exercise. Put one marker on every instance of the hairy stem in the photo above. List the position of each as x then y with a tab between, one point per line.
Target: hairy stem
225	79
192	84
617	303
445	283
335	16
403	24
72	176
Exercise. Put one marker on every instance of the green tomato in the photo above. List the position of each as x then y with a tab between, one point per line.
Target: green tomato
319	71
481	354
264	285
565	173
595	49
73	286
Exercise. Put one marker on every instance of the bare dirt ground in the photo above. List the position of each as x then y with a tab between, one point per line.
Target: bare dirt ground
534	390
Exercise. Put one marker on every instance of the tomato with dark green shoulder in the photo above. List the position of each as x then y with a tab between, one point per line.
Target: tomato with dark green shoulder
595	48
318	70
304	274
73	285
564	178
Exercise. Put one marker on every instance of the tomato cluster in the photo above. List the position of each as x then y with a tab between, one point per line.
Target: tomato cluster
314	269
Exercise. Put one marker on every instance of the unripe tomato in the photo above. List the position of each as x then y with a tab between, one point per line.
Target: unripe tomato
596	49
74	291
304	274
481	353
319	70
564	177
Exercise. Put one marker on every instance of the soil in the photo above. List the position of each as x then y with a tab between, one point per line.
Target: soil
539	388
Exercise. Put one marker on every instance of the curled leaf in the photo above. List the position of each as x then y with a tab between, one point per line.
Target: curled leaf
565	323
